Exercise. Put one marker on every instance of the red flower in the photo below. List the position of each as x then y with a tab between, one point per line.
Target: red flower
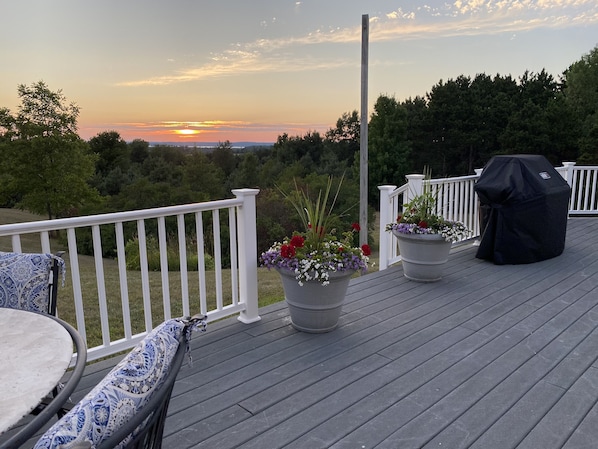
287	251
366	249
423	224
341	249
356	227
319	229
297	241
399	217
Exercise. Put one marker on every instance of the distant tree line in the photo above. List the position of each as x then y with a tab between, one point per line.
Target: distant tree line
458	126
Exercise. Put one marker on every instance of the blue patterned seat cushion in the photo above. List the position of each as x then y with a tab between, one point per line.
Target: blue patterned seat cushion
120	394
24	280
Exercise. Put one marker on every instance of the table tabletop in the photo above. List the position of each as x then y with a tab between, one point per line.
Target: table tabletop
35	351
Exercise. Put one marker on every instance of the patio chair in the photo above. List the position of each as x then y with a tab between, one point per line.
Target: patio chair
30	281
127	409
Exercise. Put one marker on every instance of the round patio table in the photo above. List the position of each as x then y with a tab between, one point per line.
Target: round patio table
36	350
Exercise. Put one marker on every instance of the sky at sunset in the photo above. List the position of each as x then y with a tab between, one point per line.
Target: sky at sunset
239	70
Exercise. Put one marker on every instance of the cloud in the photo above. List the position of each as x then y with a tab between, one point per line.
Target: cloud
460	18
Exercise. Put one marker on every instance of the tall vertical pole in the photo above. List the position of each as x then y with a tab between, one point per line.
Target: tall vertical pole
363	133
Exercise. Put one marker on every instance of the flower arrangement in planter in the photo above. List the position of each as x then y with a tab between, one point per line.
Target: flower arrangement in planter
318	251
316	265
424	236
419	217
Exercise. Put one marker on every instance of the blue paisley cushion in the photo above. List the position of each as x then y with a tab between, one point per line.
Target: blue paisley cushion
24	280
120	394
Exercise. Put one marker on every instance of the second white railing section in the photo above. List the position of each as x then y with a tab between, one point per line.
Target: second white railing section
456	200
241	213
583	181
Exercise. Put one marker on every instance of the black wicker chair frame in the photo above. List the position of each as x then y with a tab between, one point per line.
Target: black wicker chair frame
147	425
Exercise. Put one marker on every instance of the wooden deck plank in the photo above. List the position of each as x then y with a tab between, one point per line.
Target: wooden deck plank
492	357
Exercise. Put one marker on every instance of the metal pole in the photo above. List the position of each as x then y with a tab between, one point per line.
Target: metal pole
363	133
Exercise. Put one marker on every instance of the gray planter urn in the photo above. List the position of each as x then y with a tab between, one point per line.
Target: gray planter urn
313	307
423	255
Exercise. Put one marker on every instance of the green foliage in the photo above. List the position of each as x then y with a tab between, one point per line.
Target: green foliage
203	176
144	194
277	217
112	151
581	94
138	151
388	148
45	165
316	215
306	150
153	256
343	139
223	158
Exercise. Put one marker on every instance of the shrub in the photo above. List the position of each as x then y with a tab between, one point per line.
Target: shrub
153	256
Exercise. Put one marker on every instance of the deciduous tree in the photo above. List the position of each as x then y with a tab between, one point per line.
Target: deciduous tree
46	164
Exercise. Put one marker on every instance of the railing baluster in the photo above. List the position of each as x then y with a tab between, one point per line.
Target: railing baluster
576	192
234	263
122	275
45	242
183	263
16	243
201	249
144	267
99	268
76	282
163	245
217	258
592	205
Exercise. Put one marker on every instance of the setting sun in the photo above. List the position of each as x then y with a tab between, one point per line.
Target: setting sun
187	132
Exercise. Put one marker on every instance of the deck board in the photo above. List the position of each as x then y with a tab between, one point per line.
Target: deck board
492	357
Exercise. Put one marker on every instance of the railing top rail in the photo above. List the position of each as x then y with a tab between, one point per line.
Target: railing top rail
453	179
399	190
114	217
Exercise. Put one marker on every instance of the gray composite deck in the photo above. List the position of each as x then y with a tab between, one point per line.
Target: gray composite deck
490	357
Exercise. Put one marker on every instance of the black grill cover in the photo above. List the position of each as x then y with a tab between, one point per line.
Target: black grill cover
524	204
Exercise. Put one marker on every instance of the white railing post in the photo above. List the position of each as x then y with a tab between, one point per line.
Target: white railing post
247	235
568	175
416	186
477	222
385	217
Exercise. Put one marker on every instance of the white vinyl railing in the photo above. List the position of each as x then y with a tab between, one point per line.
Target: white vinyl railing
456	200
583	182
187	232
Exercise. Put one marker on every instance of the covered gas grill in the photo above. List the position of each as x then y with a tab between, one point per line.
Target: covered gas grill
524	203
